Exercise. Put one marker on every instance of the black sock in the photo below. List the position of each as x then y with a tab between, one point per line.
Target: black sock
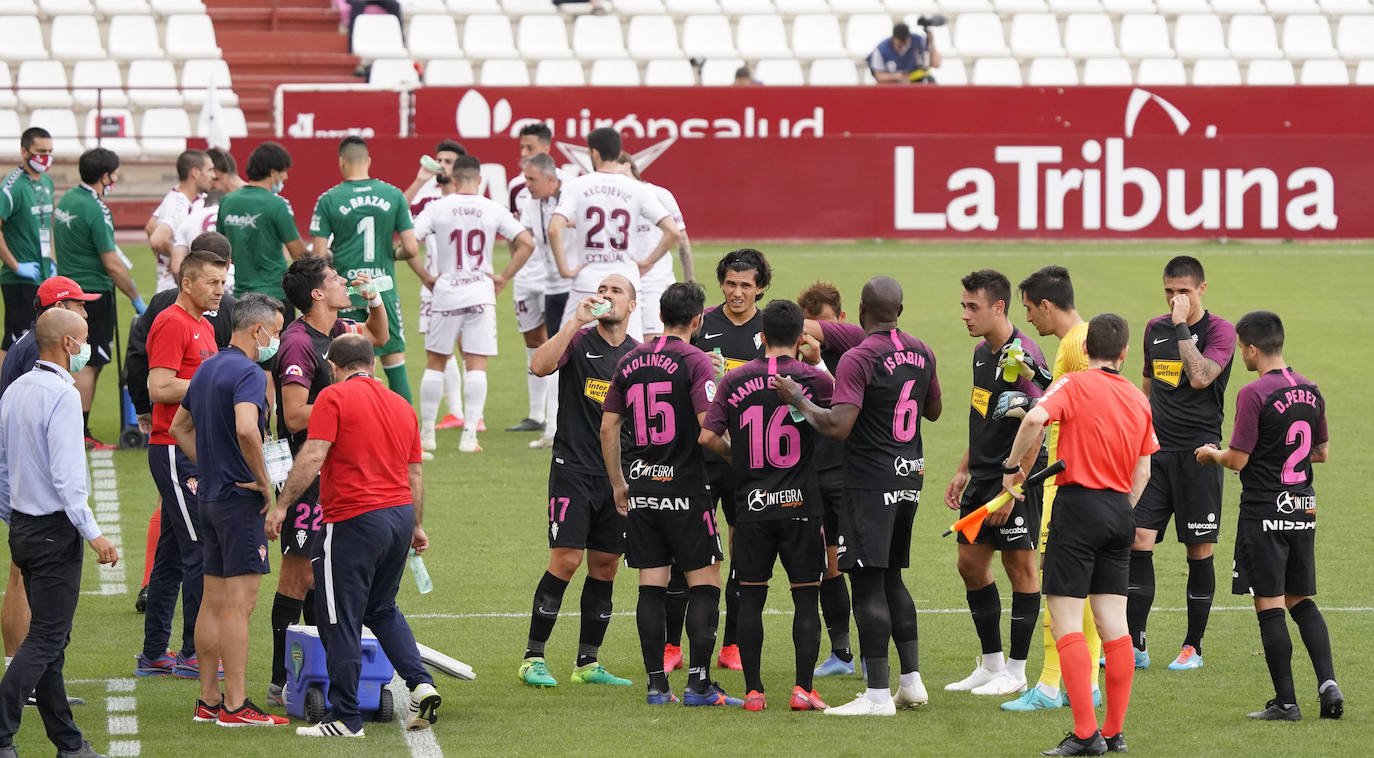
86	422
902	613
986	607
596	616
1202	584
285	612
874	624
1025	619
675	608
750	631
703	617
1278	653
308	608
835	609
649	617
806	632
548	598
1140	595
1312	627
727	637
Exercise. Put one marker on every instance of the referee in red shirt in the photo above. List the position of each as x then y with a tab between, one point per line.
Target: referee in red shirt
1106	436
372	498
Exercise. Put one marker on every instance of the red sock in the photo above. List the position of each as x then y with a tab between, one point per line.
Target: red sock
150	547
1120	671
1076	666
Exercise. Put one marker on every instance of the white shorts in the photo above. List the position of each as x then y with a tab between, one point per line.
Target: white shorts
633	327
475	327
529	308
649	295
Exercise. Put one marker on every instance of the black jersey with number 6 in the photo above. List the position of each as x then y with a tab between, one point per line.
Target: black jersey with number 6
1280	420
584	376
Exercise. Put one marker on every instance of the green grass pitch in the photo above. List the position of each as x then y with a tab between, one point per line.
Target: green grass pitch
486	519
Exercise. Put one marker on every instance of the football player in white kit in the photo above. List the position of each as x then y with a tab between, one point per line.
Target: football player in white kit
606	206
531	281
656	280
464	226
537	202
535	139
195	176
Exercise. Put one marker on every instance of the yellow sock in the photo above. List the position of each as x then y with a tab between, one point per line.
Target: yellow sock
1049	675
1094	641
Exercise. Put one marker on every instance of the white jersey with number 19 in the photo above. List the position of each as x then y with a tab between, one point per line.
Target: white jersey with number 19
605	208
464	229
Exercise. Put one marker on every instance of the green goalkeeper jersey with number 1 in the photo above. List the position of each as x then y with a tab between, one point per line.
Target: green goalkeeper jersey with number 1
362	216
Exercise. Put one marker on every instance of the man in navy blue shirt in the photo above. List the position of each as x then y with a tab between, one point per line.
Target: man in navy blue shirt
895	58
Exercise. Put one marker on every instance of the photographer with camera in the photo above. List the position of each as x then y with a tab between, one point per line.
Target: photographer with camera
904	59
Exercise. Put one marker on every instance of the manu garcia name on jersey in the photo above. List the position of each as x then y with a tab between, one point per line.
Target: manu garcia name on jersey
903	358
660	503
760	500
756	384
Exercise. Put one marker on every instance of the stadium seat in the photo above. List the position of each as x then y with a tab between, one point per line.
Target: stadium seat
783	72
76	38
1036	35
122	136
997	72
669	73
942	39
172	7
432	36
21	38
1364	73
1145	36
903	7
1011	7
597	37
559	72
950	72
707	37
720	72
833	72
191	36
165	131
653	37
1355	38
1215	71
423	8
378	35
235	125
1324	72
133	37
682	8
1345	7
1237	7
393	72
1270	72
43	84
1307	37
153	83
1107	72
863	32
198	74
957	7
488	36
543	37
633	8
52	8
9	125
614	73
527	8
1253	38
1089	35
798	7
1161	71
759	37
1052	72
7	96
505	73
449	73
1198	35
1281	8
1125	7
61	124
979	35
98	81
745	7
817	35
850	7
1062	8
109	8
18	8
1180	7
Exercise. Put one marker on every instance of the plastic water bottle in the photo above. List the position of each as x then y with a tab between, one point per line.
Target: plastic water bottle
417	568
1011	369
720	369
602	308
379	285
430	164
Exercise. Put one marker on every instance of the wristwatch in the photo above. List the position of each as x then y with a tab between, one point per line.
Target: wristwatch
1012	469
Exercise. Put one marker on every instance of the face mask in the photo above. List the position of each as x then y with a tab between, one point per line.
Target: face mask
277	187
266	354
40	163
106	189
77	362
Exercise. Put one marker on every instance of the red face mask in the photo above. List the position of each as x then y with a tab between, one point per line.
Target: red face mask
40	163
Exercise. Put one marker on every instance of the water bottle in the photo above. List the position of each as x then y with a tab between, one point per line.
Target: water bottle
720	369
417	568
380	284
1011	368
431	165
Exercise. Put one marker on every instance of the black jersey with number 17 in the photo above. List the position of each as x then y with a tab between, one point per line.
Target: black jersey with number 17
890	376
584	376
659	387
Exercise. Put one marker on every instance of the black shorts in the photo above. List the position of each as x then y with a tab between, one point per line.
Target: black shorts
1275	557
672	530
1089	548
830	485
797	541
720	478
1021	531
582	512
875	528
101	315
553	312
304	523
1180	487
234	541
19	311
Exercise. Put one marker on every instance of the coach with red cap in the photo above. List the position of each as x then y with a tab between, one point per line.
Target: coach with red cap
54	292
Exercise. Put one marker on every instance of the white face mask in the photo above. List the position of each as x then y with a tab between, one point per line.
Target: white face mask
277	187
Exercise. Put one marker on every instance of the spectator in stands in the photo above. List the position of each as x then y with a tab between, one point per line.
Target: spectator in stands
901	59
357	8
744	77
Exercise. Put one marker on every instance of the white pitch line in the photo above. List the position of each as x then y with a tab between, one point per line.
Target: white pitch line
122	727
113	579
422	743
780	612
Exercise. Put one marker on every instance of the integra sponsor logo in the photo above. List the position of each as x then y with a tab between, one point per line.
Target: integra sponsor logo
901	496
908	466
1284	525
1287	503
660	503
655	471
762	499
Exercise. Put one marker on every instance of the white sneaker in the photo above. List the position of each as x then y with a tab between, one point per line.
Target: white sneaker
913	696
427	441
327	729
1004	683
469	444
862	706
978	678
426	456
420	713
541	443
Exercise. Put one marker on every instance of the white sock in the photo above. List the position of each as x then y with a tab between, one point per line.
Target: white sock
535	385
880	695
453	387
909	679
1050	692
474	400
1016	668
431	392
8	660
551	405
993	661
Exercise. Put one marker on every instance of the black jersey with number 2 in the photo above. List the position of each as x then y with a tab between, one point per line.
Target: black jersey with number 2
1280	420
584	376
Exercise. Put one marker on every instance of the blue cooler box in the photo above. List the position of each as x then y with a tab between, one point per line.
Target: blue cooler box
307	678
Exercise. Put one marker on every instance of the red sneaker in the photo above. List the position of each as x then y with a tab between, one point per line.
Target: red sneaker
94	444
729	658
248	715
206	714
806	701
754	701
481	425
450	422
672	657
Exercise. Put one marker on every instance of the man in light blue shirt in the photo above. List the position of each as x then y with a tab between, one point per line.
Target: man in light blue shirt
43	491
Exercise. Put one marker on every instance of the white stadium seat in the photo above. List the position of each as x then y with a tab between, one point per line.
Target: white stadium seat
941	38
235	125
634	8
198	74
43	84
1364	73
1107	72
653	37
172	7
1355	38
1036	35
449	73
21	38
133	37
1179	7
61	124
669	73
378	35
463	7
979	35
50	8
707	37
1307	37
720	72
9	125
1052	72
1270	72
693	7
760	37
1214	71
1253	38
559	73
7	97
950	72
902	7
423	8
488	36
98	81
432	36
1064	7
121	136
1281	8
18	8
165	131
614	73
542	37
1001	72
505	73
833	72
152	83
745	7
1324	72
1236	7
109	8
1089	35
525	8
863	32
1125	7
1161	71
1346	7
817	35
1198	35
798	7
1145	36
76	38
850	7
597	37
1010	7
784	72
393	72
190	36
957	7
